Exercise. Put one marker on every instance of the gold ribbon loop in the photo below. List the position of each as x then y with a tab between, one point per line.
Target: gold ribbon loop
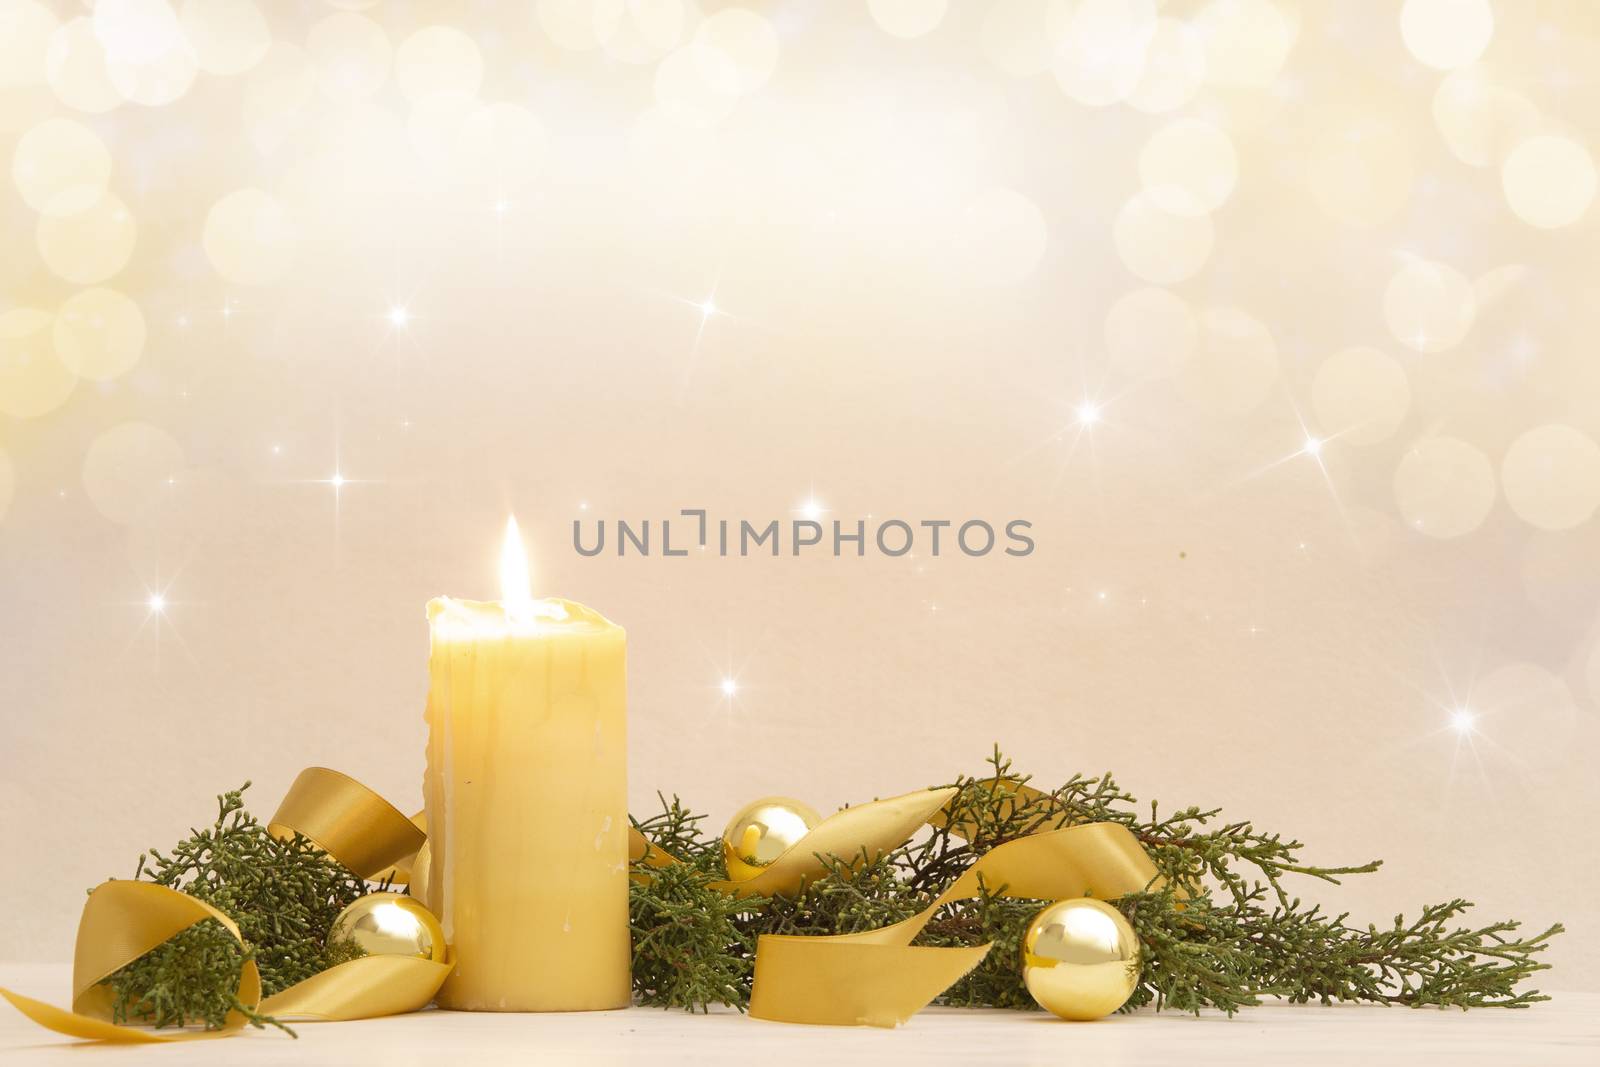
854	834
121	922
878	978
363	988
346	820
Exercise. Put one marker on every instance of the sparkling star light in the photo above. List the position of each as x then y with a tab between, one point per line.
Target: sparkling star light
155	619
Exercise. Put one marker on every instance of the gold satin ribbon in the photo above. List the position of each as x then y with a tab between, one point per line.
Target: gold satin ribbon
867	830
346	820
877	977
123	920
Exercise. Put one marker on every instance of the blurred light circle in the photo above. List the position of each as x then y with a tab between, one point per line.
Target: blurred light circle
275	94
1446	34
127	468
1429	306
1013	37
1525	710
1003	237
578	25
1551	477
360	178
1360	394
1480	121
1489	287
228	36
154	82
437	59
137	32
1189	166
1444	487
1245	42
1174	68
1160	245
99	334
749	42
25	31
907	18
1560	574
88	246
1549	181
435	123
75	65
61	167
1150	333
696	85
683	161
502	146
646	31
1361	174
33	381
351	55
1100	48
249	237
1235	364
8	482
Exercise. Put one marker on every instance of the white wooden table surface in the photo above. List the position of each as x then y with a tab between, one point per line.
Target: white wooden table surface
1564	1031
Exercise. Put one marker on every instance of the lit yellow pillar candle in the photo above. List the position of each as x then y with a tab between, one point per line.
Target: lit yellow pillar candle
526	793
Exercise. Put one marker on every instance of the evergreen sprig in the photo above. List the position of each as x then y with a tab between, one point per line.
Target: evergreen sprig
1223	931
283	893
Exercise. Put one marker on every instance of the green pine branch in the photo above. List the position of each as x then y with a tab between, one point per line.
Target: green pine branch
282	893
1225	931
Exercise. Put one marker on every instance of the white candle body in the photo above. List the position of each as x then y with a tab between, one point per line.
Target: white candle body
526	792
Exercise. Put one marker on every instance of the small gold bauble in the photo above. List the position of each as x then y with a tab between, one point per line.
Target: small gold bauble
762	831
1080	959
389	924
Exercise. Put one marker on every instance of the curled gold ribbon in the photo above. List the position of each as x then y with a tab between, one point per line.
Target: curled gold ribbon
877	977
853	834
346	820
122	920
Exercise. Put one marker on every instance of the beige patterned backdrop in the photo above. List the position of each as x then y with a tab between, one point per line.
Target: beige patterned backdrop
1275	317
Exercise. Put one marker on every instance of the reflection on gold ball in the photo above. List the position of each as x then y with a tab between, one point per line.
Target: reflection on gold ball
389	924
1080	959
762	831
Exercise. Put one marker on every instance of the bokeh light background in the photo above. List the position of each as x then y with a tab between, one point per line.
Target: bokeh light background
1276	317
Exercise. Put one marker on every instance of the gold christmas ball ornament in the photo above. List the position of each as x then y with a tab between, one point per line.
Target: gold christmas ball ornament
1080	959
762	831
390	924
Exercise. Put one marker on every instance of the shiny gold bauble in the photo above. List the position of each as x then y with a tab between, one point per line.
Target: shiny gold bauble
389	924
1080	959
762	831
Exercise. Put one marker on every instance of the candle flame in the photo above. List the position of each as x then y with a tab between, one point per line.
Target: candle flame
516	590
